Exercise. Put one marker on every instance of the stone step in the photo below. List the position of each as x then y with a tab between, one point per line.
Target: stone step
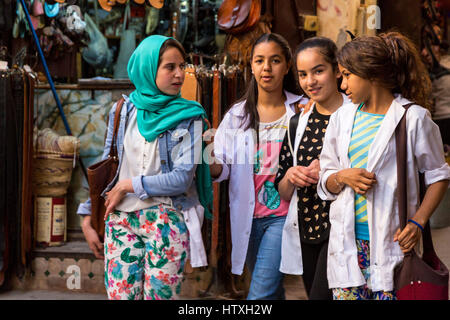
50	295
70	267
71	249
73	269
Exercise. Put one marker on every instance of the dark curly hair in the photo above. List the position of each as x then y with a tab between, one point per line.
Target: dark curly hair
393	61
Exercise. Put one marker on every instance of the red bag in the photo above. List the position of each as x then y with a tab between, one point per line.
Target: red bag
416	278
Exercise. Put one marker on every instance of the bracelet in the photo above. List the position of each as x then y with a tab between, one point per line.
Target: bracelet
337	182
417	224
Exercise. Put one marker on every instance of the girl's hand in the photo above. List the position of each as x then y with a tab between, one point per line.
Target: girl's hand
116	195
360	180
92	238
300	176
208	135
408	237
314	166
306	106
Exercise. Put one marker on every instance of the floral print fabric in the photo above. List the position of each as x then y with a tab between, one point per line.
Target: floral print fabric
145	252
362	292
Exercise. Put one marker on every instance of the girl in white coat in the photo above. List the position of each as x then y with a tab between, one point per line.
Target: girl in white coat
246	147
381	74
305	233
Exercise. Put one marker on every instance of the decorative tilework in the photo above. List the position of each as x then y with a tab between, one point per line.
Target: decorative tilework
92	277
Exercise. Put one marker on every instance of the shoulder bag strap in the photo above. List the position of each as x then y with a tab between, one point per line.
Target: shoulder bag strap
400	141
113	149
292	130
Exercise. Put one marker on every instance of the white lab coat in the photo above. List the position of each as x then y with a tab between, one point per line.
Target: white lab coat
424	153
235	150
193	217
291	251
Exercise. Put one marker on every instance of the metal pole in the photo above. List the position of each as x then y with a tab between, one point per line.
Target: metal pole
49	78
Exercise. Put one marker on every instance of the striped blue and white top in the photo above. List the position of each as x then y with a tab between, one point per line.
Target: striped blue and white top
365	127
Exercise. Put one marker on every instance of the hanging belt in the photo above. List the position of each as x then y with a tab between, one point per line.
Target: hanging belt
3	187
216	186
27	170
15	159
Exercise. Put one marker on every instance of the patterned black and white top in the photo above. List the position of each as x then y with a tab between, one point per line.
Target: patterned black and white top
312	211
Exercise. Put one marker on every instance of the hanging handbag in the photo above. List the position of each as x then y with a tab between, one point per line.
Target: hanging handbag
416	278
100	175
127	46
238	16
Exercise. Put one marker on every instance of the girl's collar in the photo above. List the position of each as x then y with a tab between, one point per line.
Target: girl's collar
291	99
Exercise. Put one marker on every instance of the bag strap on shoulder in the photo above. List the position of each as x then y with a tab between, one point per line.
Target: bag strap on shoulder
292	130
113	149
402	195
400	142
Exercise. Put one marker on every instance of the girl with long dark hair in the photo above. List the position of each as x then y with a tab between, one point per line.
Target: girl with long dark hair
246	147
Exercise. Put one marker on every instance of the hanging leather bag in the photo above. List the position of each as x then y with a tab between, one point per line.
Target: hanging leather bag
100	175
232	13
238	16
416	278
127	46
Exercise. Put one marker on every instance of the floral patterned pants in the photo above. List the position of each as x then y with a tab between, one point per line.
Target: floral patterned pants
145	252
362	292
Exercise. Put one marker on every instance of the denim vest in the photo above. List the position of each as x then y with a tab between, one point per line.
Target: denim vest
177	177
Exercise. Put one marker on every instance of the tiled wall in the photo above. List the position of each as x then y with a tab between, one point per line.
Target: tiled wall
57	274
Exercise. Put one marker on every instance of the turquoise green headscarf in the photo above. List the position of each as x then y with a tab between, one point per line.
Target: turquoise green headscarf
158	112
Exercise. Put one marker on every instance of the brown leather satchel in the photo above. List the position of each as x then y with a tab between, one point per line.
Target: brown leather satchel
238	16
416	278
100	175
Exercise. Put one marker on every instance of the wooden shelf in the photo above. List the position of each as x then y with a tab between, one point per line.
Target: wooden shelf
91	84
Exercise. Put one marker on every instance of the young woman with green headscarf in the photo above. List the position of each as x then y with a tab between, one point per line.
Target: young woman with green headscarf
154	206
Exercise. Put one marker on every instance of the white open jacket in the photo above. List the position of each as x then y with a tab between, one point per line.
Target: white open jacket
424	154
291	250
234	148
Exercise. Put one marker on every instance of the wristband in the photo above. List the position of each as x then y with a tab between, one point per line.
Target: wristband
417	224
337	182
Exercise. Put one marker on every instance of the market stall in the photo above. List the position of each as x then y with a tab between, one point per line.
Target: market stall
65	71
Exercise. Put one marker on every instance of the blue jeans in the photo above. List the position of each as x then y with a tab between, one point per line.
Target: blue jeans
264	257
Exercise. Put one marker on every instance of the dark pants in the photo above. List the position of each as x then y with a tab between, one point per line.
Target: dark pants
314	258
444	127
